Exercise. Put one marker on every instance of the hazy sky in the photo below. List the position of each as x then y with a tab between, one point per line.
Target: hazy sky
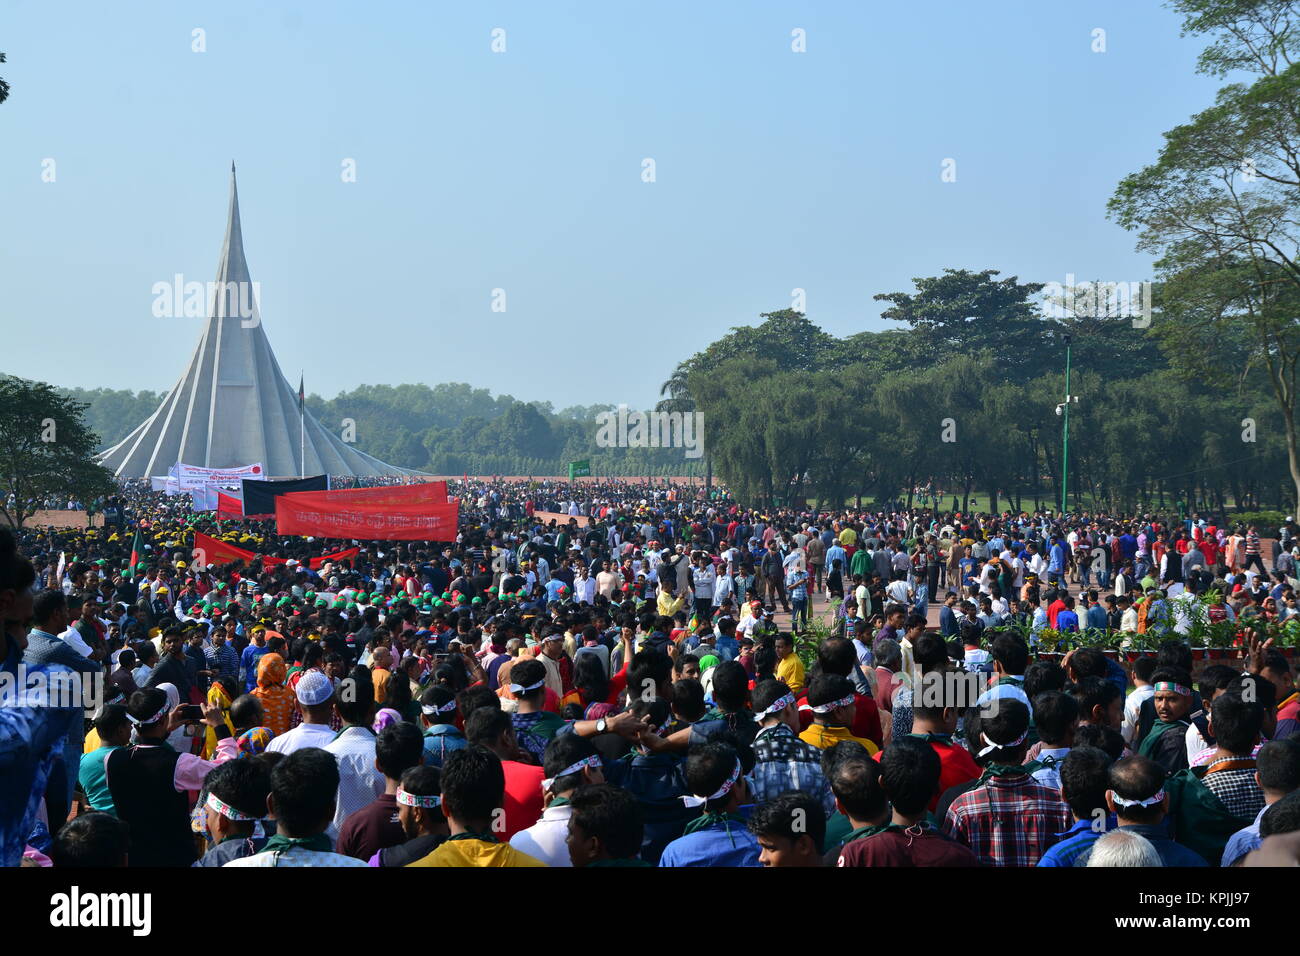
522	171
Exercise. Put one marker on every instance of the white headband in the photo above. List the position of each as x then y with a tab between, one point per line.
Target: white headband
693	801
226	810
427	801
778	705
828	707
593	762
152	720
521	689
1148	802
429	709
994	745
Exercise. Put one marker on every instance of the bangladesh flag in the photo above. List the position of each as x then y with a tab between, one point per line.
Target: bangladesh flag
135	553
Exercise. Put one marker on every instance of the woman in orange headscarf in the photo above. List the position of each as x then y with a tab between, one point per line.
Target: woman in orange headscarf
277	699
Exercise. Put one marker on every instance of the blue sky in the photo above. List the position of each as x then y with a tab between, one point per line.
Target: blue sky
521	170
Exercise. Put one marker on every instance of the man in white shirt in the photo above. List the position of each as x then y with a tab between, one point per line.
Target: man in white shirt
315	693
570	762
584	586
360	781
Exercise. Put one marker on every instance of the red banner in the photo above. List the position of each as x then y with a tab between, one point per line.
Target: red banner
327	515
426	493
209	550
317	563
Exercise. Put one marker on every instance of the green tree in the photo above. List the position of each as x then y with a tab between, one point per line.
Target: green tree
964	311
4	87
1221	204
45	449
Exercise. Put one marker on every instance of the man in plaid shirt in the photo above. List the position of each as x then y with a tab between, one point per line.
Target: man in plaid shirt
783	761
1009	819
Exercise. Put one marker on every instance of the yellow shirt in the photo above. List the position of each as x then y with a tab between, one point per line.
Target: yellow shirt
848	537
669	605
823	737
790	670
476	853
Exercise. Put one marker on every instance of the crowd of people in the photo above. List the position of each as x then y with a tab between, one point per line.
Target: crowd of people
646	674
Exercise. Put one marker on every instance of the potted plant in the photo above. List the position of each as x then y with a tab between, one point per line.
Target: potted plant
1221	636
1049	643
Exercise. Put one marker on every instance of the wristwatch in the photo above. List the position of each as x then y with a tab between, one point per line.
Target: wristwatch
601	725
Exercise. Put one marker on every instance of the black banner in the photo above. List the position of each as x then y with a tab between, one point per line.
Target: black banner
259	496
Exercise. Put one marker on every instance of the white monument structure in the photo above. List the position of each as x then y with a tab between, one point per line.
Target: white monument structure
233	405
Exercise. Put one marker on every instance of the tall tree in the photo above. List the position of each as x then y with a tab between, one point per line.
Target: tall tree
1221	204
964	311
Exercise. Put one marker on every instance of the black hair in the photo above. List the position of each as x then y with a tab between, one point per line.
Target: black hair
827	688
655	710
930	652
1137	778
730	686
486	725
525	672
1174	675
398	747
93	840
355	699
1106	739
1144	667
688	699
474	698
1085	778
855	781
1216	677
836	655
473	784
1278	765
110	720
1174	653
1054	714
590	679
246	711
764	660
1005	721
1281	817
610	814
1043	676
422	780
562	752
243	784
707	769
435	695
767	693
1086	662
909	770
305	785
1236	722
791	815
47	603
143	704
1011	652
653	666
1093	692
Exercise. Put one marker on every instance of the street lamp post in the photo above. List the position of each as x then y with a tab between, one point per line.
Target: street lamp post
1065	435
